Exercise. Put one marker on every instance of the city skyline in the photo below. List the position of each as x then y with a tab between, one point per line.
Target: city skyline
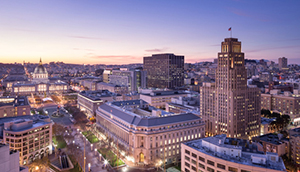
118	32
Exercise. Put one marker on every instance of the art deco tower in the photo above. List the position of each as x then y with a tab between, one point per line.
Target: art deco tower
229	106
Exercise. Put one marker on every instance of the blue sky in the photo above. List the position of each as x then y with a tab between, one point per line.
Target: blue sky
121	32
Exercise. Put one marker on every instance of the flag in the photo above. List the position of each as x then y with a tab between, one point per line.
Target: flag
229	29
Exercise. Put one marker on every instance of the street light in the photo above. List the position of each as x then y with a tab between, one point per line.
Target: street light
37	168
89	166
73	141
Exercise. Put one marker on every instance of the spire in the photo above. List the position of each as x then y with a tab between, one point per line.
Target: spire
40	61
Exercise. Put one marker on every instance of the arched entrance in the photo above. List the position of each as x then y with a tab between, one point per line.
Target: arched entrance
142	158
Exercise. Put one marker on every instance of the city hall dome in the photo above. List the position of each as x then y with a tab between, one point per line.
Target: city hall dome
40	74
40	69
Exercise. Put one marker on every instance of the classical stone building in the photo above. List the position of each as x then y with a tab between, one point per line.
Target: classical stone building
149	135
40	84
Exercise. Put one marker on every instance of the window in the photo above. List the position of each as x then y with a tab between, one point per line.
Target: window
201	166
187	152
232	169
201	159
194	162
245	171
210	169
194	168
186	158
187	164
194	155
210	163
221	166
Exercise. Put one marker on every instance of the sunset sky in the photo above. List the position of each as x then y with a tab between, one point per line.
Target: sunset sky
122	32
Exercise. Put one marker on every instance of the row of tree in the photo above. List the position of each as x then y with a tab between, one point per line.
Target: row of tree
281	121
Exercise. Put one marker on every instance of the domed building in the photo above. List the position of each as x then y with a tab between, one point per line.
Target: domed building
40	84
40	74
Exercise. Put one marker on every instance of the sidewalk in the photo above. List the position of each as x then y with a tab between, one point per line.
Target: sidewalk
91	157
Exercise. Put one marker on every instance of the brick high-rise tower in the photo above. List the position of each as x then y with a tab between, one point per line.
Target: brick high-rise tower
164	70
229	106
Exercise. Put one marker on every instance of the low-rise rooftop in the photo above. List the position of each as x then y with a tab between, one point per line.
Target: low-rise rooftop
275	139
143	114
163	93
246	157
97	95
22	123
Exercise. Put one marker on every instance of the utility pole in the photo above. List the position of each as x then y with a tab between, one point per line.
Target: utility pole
84	155
117	152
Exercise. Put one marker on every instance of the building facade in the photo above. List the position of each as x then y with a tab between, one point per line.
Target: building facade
229	106
14	106
30	135
275	143
223	154
40	84
119	89
10	160
285	103
133	79
164	70
159	99
89	101
148	134
282	63
295	145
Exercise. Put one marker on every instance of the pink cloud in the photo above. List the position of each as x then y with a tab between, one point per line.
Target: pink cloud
157	50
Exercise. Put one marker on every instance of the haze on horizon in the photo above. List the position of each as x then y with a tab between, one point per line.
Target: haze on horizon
122	32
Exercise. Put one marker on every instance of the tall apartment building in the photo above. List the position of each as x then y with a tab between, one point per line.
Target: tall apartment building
149	135
286	103
164	70
282	63
229	106
133	79
30	135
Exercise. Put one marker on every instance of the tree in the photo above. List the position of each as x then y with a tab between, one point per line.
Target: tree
39	164
265	112
57	129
